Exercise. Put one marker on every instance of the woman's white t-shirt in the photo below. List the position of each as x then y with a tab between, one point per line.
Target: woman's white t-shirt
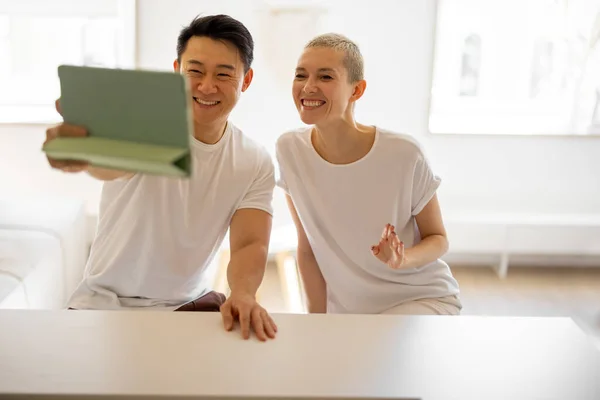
344	208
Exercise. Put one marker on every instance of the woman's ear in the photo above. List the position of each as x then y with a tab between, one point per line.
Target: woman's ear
359	90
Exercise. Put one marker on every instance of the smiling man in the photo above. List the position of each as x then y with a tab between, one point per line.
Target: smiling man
157	235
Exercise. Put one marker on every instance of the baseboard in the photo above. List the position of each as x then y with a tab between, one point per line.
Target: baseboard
523	260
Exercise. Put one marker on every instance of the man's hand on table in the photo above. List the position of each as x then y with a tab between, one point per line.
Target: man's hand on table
244	308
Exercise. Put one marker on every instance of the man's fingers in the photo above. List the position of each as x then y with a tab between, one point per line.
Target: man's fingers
270	326
56	163
58	108
75	166
258	324
68	165
244	316
274	324
227	316
65	130
51	133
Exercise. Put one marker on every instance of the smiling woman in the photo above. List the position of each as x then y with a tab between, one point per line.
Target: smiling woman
334	173
91	33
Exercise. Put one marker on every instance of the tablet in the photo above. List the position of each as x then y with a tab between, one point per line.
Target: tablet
137	121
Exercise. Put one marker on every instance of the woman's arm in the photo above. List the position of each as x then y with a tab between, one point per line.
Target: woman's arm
433	245
314	284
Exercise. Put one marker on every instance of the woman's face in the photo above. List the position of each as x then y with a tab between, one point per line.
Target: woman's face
321	89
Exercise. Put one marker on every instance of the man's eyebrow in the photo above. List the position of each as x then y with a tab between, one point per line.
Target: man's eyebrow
226	66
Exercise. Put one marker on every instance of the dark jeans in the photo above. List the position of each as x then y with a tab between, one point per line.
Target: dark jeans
210	302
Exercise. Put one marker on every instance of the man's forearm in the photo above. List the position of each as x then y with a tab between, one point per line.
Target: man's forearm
246	268
428	250
315	287
107	174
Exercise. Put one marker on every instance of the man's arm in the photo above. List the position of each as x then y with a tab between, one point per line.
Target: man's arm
249	246
108	174
310	273
249	234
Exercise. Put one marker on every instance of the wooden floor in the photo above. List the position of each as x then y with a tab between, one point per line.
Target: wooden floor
572	292
535	291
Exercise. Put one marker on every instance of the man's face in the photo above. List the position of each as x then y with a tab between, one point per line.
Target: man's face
321	90
216	74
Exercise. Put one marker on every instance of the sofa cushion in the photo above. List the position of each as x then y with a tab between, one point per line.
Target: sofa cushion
11	276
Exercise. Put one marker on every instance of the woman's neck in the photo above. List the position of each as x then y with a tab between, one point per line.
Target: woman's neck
343	141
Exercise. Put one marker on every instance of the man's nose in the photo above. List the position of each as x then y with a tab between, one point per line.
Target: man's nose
207	85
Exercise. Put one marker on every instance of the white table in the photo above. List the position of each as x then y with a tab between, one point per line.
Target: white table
121	353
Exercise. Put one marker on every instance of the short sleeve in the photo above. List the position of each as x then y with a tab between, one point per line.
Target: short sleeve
281	181
260	194
425	184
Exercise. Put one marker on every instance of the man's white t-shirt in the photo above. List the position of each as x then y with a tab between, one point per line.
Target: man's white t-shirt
157	235
344	208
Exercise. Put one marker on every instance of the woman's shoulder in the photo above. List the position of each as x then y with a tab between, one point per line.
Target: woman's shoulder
293	137
399	141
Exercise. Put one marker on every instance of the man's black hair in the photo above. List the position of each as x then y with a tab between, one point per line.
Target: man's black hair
219	27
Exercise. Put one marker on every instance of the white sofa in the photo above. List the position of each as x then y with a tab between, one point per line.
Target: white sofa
44	244
31	270
542	239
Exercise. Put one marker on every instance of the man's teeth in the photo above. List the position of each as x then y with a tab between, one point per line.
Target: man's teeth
206	103
312	103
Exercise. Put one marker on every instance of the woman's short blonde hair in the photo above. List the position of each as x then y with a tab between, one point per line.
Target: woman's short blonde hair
353	61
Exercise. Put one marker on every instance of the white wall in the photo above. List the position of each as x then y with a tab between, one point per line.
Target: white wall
486	174
25	171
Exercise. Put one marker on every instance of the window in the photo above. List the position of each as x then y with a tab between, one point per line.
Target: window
471	65
37	36
516	67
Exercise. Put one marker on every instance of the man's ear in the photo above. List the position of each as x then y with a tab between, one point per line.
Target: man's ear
247	79
176	66
359	90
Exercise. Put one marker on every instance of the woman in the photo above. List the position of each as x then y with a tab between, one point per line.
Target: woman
370	231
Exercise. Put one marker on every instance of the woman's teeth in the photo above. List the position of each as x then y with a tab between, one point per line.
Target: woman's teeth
312	103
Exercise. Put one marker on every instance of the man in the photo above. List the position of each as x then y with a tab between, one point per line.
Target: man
157	235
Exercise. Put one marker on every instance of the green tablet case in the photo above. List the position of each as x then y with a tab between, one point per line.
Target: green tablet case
137	121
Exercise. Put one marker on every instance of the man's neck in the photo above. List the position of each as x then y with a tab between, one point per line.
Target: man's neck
209	134
343	142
